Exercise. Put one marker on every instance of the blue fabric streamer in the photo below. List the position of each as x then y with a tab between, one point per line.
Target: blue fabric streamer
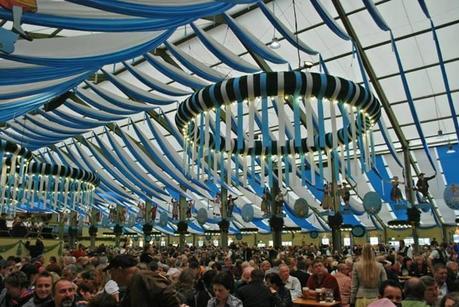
224	54
252	42
195	66
411	104
329	21
155	84
286	33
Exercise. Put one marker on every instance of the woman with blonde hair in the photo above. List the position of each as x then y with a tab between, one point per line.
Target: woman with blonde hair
367	276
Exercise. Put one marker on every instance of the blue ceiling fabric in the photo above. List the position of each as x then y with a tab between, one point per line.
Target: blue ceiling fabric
138	172
132	174
101	104
155	84
164	164
160	10
94	113
114	186
174	73
35	132
69	120
329	21
449	161
250	41
224	54
21	90
286	33
54	127
194	65
168	150
13	73
13	108
68	18
442	67
383	26
73	51
132	92
115	173
28	142
381	124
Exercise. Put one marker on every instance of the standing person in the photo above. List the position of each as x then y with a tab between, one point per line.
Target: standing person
222	285
175	209
217	204
43	291
431	292
18	7
122	268
345	193
189	208
230	204
327	200
266	203
396	193
440	274
422	185
16	292
65	294
367	276
149	289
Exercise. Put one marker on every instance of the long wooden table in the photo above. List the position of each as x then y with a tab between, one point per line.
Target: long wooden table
310	302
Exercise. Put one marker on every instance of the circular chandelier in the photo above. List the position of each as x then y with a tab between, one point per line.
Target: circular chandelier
27	182
212	129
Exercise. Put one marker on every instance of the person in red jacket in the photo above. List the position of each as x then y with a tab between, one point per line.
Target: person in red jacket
18	7
321	279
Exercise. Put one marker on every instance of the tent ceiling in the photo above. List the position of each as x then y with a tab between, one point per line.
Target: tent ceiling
411	29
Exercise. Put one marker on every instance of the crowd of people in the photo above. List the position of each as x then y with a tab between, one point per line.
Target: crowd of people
239	275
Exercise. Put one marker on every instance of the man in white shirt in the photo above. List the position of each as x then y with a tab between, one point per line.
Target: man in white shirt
291	283
440	274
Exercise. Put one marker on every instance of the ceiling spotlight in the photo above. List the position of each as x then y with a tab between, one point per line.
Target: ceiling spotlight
275	44
451	149
308	64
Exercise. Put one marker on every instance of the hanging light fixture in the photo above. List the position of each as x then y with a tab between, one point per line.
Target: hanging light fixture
275	44
451	149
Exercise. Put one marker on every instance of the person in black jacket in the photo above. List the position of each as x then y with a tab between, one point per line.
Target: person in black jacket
204	290
256	294
282	296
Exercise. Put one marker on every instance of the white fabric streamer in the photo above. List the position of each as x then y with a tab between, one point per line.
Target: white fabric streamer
309	121
313	167
228	127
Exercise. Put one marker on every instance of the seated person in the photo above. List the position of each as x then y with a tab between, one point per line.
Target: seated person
320	278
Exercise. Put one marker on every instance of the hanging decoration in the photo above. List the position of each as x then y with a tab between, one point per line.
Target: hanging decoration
28	183
372	203
267	150
451	196
358	231
301	207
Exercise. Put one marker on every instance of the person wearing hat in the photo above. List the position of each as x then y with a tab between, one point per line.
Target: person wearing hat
122	268
422	185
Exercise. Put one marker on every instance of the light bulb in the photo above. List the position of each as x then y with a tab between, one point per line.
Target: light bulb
275	44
